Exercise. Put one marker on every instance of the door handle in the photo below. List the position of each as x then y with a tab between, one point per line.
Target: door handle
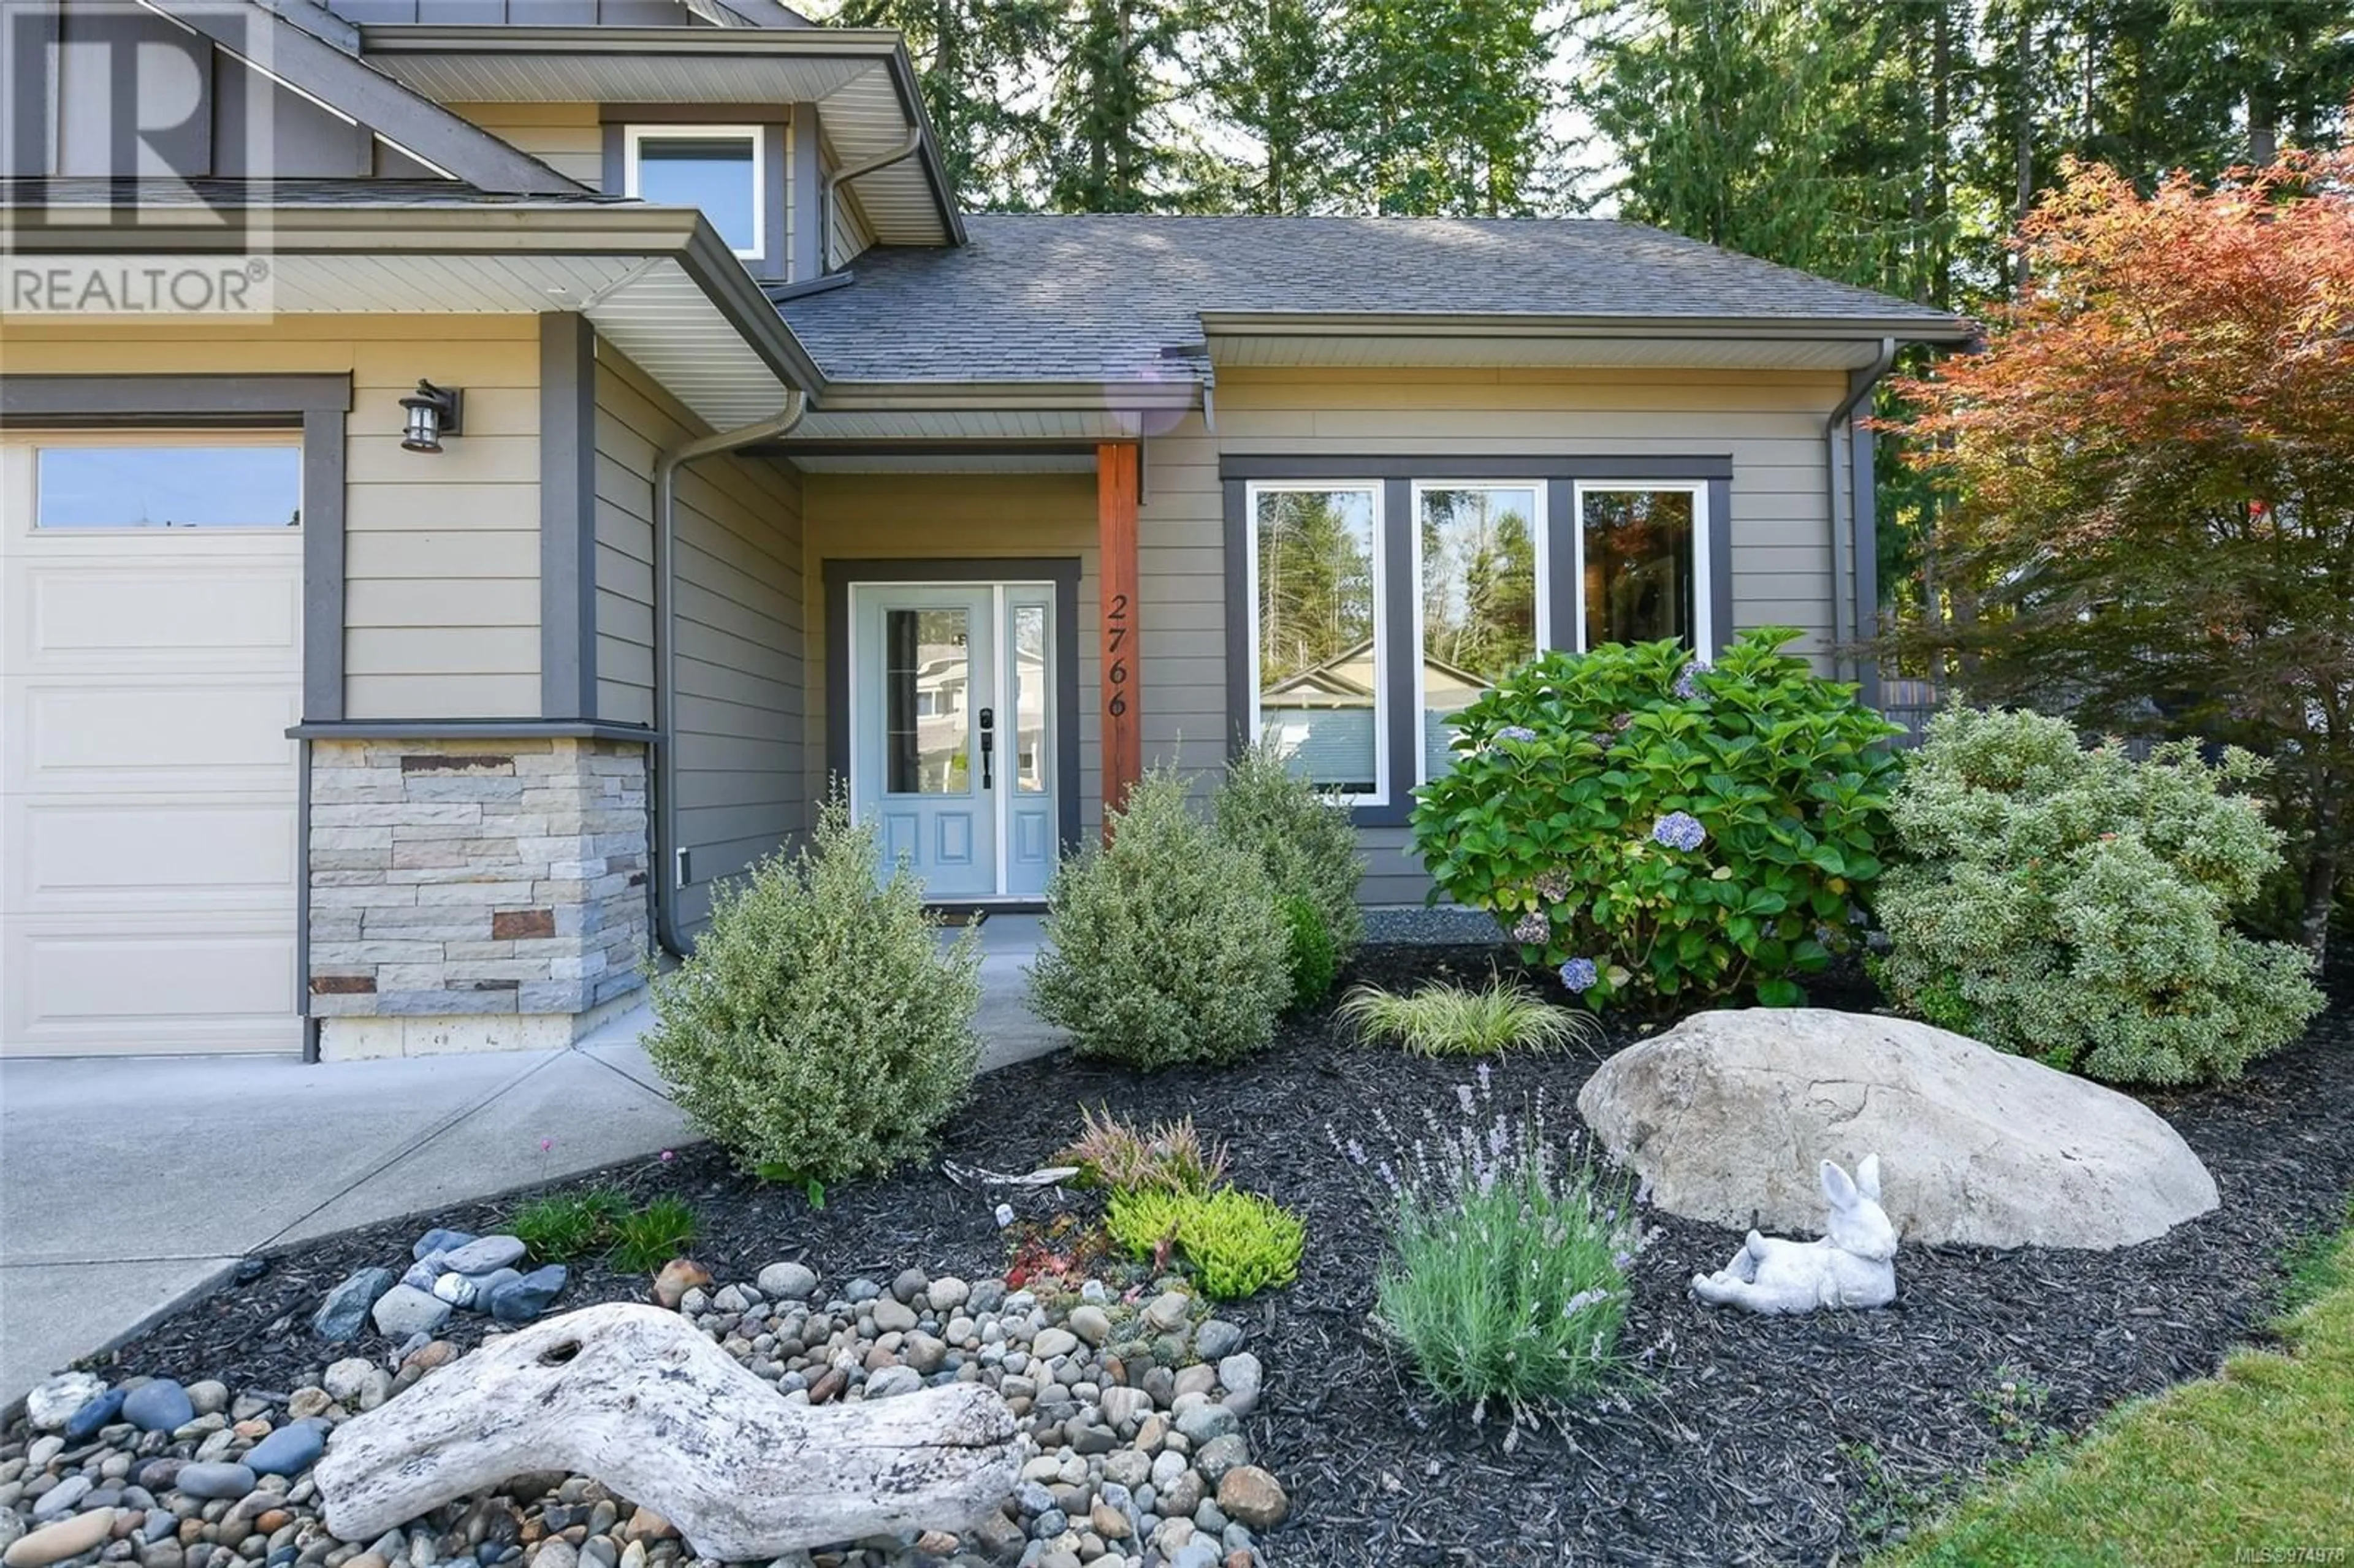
988	746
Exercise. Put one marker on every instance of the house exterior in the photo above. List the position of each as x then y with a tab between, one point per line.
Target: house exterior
355	715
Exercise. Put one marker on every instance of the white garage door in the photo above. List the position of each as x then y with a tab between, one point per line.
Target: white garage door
151	660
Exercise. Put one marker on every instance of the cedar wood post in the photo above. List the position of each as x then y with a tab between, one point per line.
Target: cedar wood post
1116	477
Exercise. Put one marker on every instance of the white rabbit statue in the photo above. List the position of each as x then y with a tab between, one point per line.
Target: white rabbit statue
1853	1266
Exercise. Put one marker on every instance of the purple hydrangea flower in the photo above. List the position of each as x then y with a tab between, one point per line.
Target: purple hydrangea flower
1683	686
1516	732
1579	974
1532	928
1553	886
1679	829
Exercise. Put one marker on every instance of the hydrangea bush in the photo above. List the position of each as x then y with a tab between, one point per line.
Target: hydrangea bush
2075	905
1648	827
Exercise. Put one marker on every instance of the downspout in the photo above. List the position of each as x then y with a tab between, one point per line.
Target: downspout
1859	384
830	183
668	857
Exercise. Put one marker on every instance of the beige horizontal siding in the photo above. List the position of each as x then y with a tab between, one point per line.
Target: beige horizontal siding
738	707
441	551
854	517
566	137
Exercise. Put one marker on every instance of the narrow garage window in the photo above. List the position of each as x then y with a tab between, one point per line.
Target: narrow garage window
167	484
1318	633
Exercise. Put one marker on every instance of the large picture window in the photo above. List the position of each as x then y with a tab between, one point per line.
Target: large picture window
1318	633
1386	594
1478	554
1639	547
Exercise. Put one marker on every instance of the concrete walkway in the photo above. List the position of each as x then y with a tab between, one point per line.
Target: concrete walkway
129	1184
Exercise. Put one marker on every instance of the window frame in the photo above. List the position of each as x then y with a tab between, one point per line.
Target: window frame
1381	794
34	443
1540	542
636	133
1703	637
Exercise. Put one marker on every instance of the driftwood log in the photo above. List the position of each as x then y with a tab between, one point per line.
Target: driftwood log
636	1398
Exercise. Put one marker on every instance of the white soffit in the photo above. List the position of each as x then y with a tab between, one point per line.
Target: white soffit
858	108
821	424
651	310
1539	350
943	463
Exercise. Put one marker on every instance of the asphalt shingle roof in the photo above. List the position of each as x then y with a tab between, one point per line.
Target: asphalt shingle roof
1101	296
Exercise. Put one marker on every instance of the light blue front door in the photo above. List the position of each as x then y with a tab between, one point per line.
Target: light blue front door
952	742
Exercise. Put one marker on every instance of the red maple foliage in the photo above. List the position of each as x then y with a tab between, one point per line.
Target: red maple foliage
2154	465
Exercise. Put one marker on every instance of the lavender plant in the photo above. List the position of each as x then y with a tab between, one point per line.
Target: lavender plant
1510	1250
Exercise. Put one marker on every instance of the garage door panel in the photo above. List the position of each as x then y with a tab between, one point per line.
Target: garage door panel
90	618
211	854
178	739
69	991
150	854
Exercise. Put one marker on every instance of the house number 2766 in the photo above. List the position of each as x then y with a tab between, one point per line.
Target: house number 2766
1117	674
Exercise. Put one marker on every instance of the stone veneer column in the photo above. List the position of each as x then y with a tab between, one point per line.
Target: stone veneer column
475	893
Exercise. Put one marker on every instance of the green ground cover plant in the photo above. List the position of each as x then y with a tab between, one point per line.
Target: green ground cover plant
647	1238
1236	1244
1449	1020
568	1226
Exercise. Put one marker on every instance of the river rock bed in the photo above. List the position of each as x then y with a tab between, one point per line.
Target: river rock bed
1131	1405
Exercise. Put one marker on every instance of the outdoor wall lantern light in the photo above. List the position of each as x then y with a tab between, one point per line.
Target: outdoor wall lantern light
433	412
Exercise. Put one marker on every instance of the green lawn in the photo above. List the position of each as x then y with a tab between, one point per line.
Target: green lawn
2254	1464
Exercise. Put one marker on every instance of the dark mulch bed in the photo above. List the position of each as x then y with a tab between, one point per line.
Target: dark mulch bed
1749	1440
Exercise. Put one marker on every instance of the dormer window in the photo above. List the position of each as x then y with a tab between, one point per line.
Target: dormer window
719	168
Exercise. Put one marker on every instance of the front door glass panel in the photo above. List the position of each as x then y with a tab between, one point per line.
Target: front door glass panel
926	694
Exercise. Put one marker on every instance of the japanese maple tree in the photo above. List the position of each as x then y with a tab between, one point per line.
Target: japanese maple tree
2154	462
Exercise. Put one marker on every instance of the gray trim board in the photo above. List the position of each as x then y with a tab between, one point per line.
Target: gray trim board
1720	561
803	183
568	516
470	729
324	548
1063	571
303	901
146	399
316	405
1451	465
1862	440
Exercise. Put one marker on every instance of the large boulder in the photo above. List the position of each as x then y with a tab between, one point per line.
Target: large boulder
1728	1114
